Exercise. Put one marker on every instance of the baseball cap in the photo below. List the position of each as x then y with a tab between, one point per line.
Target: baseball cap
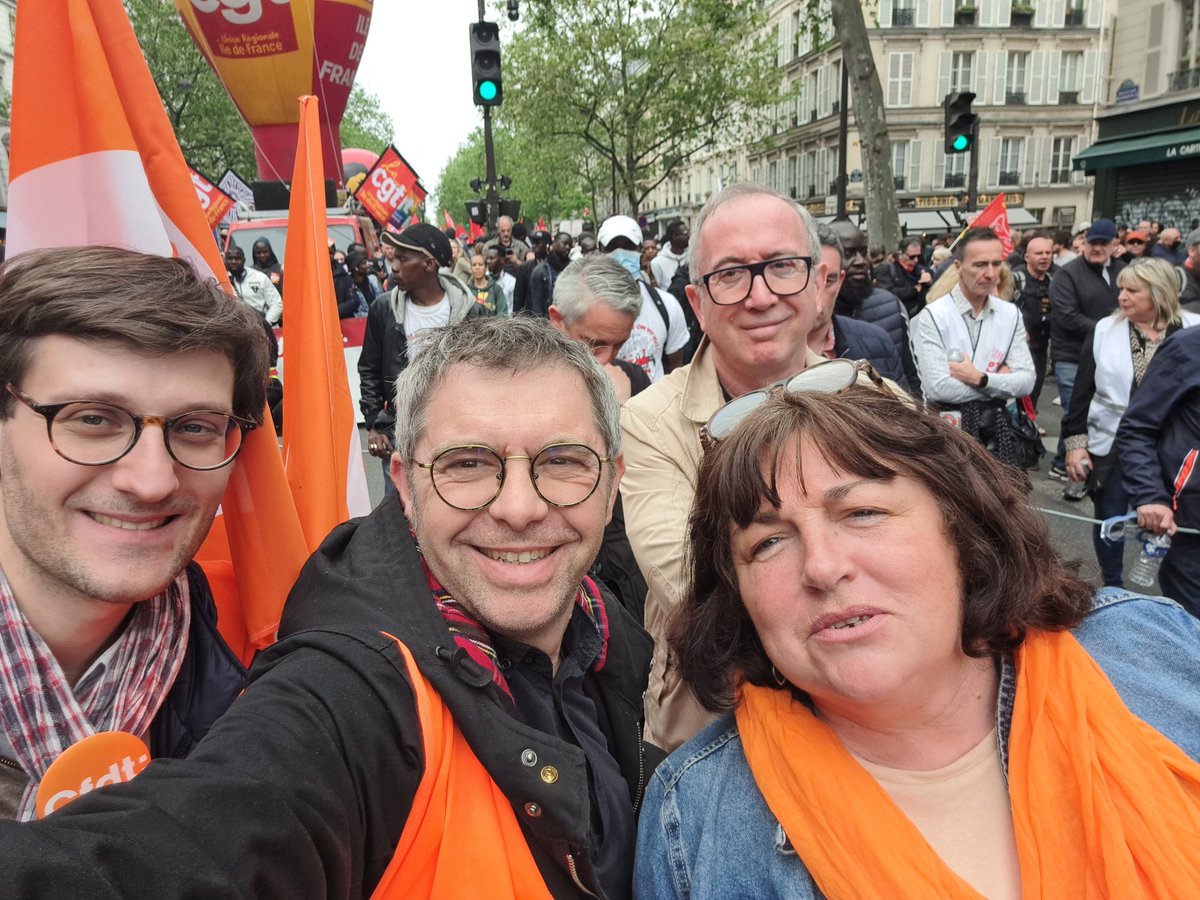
1102	230
424	238
619	226
1135	236
1193	238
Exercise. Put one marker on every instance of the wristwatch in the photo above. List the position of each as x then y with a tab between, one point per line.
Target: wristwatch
983	379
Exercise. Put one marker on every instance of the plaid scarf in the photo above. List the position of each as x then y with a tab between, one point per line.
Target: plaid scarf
42	715
474	640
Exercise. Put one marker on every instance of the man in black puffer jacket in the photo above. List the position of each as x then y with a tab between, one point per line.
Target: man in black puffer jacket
859	298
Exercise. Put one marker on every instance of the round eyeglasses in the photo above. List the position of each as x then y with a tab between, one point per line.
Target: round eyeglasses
831	377
471	477
91	433
784	276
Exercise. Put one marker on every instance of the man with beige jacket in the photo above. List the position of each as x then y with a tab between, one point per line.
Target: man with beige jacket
756	270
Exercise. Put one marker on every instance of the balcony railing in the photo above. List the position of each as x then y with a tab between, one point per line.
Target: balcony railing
954	180
1068	98
1185	80
1060	176
1008	179
899	182
903	18
1014	98
1074	18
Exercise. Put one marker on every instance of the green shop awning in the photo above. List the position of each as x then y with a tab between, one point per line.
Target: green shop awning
1139	151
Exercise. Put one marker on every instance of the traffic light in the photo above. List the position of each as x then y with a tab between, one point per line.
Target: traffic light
960	122
485	63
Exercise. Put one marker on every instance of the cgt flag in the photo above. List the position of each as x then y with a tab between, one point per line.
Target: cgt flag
391	192
87	123
321	447
995	217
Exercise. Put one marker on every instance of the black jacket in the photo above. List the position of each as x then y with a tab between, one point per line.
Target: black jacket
1079	298
1160	426
884	309
385	349
304	787
891	277
853	339
1030	292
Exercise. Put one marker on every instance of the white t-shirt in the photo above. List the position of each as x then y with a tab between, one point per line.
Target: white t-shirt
665	265
419	318
650	334
507	283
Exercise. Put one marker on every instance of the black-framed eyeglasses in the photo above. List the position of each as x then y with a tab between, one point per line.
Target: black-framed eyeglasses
915	257
830	377
784	276
470	477
93	433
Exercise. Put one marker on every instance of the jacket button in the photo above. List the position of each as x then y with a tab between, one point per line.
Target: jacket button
549	774
533	810
528	758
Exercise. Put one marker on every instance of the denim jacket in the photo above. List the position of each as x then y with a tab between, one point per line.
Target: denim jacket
706	832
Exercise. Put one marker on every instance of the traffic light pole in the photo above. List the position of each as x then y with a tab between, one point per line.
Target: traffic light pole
973	175
489	154
489	161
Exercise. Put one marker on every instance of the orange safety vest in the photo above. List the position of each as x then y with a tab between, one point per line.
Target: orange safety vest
456	843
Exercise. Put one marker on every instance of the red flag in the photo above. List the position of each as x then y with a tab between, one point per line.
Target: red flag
995	217
450	223
320	435
88	123
476	231
542	224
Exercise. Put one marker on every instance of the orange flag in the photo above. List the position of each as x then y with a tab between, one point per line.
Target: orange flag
321	447
88	125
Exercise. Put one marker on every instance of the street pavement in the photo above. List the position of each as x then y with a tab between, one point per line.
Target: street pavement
1073	539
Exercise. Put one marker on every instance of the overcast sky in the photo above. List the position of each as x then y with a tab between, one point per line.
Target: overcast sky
417	61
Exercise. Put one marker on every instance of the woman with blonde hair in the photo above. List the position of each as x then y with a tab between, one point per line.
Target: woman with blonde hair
1112	362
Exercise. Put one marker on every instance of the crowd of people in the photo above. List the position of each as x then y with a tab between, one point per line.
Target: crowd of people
684	545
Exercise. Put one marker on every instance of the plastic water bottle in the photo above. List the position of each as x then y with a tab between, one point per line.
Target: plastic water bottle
1145	570
1077	490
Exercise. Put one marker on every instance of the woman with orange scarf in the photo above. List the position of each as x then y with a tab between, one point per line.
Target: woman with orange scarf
922	700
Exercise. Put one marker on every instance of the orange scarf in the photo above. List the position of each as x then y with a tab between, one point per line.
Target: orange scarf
1102	804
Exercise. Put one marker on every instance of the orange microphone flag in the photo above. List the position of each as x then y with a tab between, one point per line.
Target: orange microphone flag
88	123
321	447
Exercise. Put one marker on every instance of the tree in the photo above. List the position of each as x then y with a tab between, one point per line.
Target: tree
211	133
644	85
883	216
546	178
365	124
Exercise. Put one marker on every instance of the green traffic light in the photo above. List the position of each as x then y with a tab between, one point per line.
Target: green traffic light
487	90
961	142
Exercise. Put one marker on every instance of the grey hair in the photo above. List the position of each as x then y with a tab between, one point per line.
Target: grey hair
736	192
594	278
497	344
826	237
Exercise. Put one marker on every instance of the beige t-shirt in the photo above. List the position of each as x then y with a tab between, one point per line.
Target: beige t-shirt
963	811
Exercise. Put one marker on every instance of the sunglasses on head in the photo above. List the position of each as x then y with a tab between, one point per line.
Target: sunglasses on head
831	377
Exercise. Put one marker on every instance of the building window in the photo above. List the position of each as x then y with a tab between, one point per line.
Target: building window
899	163
960	71
900	74
956	171
1061	151
1015	75
904	13
1009	174
1069	77
797	32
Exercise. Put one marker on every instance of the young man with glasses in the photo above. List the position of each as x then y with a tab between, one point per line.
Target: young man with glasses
453	708
126	387
756	269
